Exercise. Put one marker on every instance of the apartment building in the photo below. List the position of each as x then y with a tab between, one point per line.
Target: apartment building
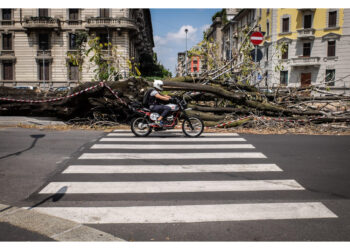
193	67
317	47
34	42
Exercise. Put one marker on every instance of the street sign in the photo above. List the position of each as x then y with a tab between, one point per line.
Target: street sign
259	55
256	38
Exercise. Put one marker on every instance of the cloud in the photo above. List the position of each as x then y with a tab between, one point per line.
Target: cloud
169	45
159	41
181	34
205	27
177	37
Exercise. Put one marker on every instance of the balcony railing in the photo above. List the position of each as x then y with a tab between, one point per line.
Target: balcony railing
305	61
41	22
43	53
97	22
7	53
7	22
306	33
74	22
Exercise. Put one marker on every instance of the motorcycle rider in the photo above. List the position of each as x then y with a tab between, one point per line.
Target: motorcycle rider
155	105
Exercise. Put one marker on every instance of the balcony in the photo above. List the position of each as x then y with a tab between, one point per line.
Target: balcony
305	61
7	55
306	33
7	22
306	9
41	23
43	55
112	23
74	22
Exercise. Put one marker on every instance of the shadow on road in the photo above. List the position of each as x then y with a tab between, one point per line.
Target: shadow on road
55	197
36	138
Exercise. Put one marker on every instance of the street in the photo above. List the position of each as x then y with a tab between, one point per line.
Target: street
218	187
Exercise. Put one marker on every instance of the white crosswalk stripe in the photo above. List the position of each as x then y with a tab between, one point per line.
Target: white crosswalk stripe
173	139
125	140
204	135
169	186
192	213
170	155
171	146
117	169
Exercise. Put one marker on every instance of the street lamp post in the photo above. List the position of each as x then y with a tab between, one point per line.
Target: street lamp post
186	30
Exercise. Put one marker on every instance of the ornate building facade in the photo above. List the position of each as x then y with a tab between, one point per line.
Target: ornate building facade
34	42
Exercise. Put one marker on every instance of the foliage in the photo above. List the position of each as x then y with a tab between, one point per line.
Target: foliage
150	67
222	14
107	62
77	56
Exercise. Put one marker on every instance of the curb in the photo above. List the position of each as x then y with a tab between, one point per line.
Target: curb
17	120
51	226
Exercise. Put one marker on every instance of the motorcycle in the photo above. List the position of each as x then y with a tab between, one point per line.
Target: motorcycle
144	123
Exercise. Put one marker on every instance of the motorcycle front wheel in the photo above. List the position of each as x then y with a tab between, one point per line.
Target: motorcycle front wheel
197	127
140	127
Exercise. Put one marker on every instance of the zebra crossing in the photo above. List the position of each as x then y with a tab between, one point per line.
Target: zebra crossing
173	156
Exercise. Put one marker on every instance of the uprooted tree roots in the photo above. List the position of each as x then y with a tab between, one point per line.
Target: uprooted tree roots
218	104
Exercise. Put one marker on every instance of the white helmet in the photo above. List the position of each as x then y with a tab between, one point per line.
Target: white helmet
158	84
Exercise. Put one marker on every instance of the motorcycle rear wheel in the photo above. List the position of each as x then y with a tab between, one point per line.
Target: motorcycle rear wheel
140	127
197	125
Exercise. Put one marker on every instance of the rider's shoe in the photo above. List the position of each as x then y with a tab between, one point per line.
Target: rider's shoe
159	123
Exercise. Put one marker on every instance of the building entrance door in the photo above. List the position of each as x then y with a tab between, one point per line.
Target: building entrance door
305	79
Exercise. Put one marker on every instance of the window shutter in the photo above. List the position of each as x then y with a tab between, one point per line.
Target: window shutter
43	12
332	19
307	21
6	14
73	14
7	41
8	71
285	27
331	48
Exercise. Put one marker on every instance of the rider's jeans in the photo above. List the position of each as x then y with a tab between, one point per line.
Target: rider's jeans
160	109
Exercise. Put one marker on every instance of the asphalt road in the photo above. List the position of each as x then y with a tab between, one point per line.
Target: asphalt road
303	194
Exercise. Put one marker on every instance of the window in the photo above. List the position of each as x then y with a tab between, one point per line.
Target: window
267	28
44	69
332	19
73	72
330	77
285	25
307	21
7	41
284	78
104	39
7	71
285	51
73	14
331	48
104	13
43	12
6	14
72	41
44	41
306	49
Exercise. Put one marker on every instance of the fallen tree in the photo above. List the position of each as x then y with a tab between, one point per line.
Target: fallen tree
94	102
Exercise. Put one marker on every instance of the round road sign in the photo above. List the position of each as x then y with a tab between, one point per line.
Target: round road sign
256	38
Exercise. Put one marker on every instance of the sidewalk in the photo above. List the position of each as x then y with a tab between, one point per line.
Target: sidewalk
15	120
27	225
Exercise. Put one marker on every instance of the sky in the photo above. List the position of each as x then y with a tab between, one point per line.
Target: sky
169	32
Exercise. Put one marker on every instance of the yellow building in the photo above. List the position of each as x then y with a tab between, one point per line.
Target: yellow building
317	43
